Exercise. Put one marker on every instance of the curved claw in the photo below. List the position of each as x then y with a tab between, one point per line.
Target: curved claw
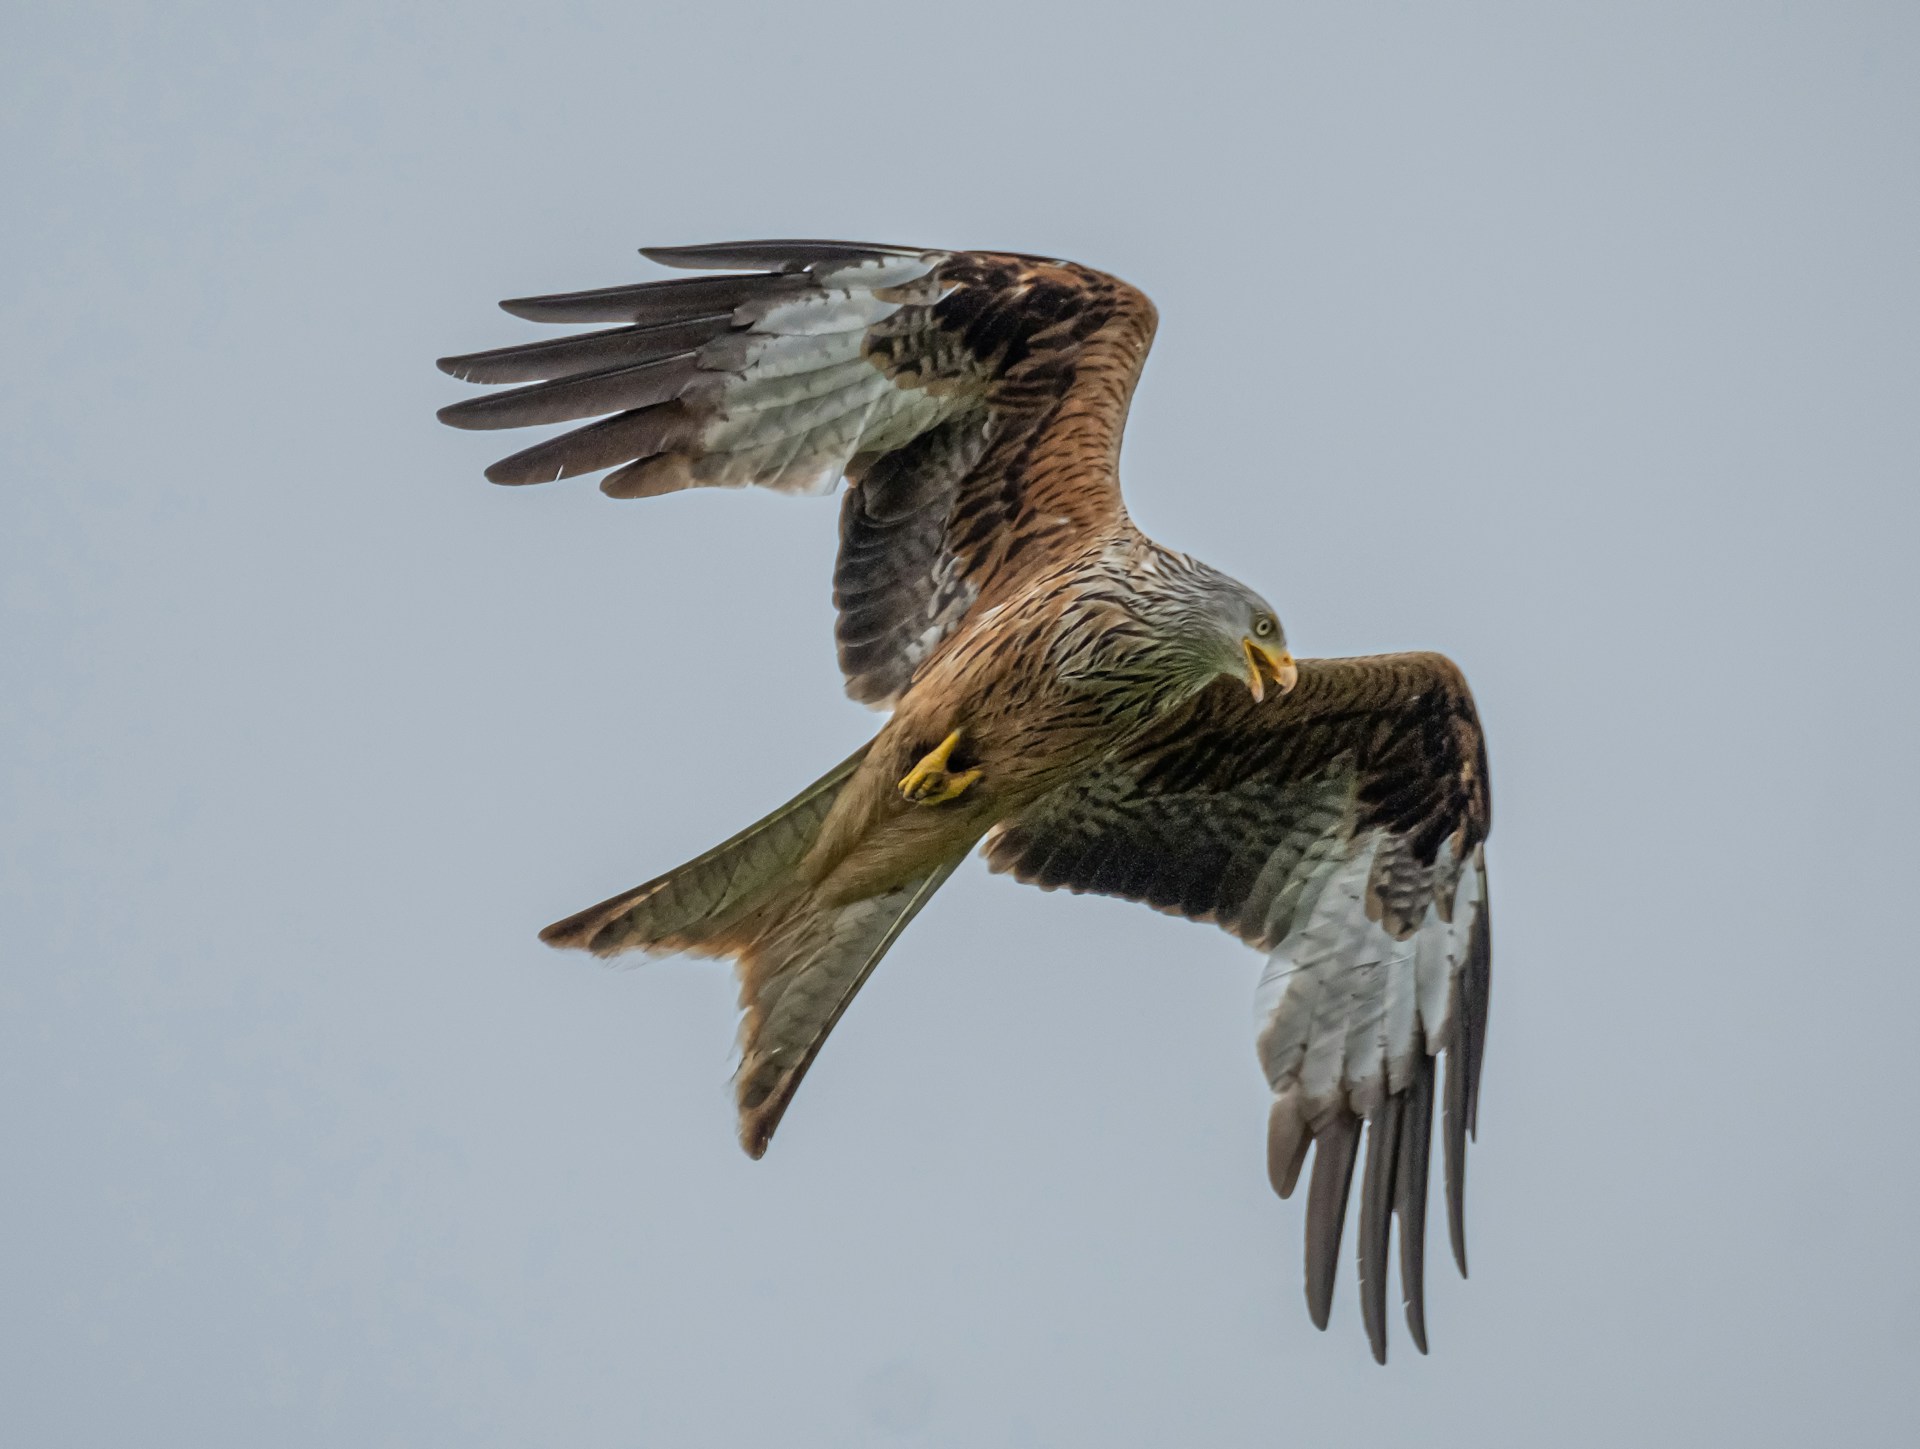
931	783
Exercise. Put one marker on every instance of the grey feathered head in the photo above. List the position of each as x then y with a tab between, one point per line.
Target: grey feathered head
1217	625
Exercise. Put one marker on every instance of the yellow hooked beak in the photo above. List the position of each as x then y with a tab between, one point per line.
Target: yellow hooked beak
1276	662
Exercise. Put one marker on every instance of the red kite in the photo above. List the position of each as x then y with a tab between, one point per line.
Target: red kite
1104	713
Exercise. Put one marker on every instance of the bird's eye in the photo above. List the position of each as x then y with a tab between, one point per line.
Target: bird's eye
1263	626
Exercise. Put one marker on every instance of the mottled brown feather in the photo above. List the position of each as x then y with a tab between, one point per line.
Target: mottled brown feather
1182	818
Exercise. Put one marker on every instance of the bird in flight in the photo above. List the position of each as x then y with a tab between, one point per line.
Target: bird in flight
1104	713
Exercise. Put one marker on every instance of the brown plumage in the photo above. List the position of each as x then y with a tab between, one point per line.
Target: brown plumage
1107	714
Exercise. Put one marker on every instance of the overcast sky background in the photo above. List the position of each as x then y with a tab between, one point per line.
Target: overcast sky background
1581	343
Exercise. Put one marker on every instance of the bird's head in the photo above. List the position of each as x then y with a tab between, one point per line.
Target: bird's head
1220	626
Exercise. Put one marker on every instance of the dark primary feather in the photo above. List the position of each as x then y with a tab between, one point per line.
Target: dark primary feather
1410	1197
650	301
974	399
779	256
583	395
1376	1209
1453	1138
1224	814
585	351
1333	1158
587	450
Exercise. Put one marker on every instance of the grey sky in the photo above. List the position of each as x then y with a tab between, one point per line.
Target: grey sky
1581	343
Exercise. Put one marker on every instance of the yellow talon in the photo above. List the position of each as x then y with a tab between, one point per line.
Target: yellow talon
929	783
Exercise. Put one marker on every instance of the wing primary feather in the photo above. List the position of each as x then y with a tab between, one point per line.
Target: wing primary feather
1376	1218
616	389
1479	979
1453	1139
670	301
1410	1196
585	352
1335	1146
618	439
733	256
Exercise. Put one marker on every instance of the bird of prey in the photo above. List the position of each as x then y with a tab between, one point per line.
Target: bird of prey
1104	713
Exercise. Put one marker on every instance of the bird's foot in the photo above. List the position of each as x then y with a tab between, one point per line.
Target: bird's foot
931	783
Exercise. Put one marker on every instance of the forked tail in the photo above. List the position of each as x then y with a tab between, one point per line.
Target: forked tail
799	959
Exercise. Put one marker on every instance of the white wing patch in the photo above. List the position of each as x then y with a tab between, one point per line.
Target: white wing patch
1344	1007
794	398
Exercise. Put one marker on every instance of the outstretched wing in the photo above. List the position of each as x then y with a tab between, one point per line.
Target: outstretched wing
1338	829
974	400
